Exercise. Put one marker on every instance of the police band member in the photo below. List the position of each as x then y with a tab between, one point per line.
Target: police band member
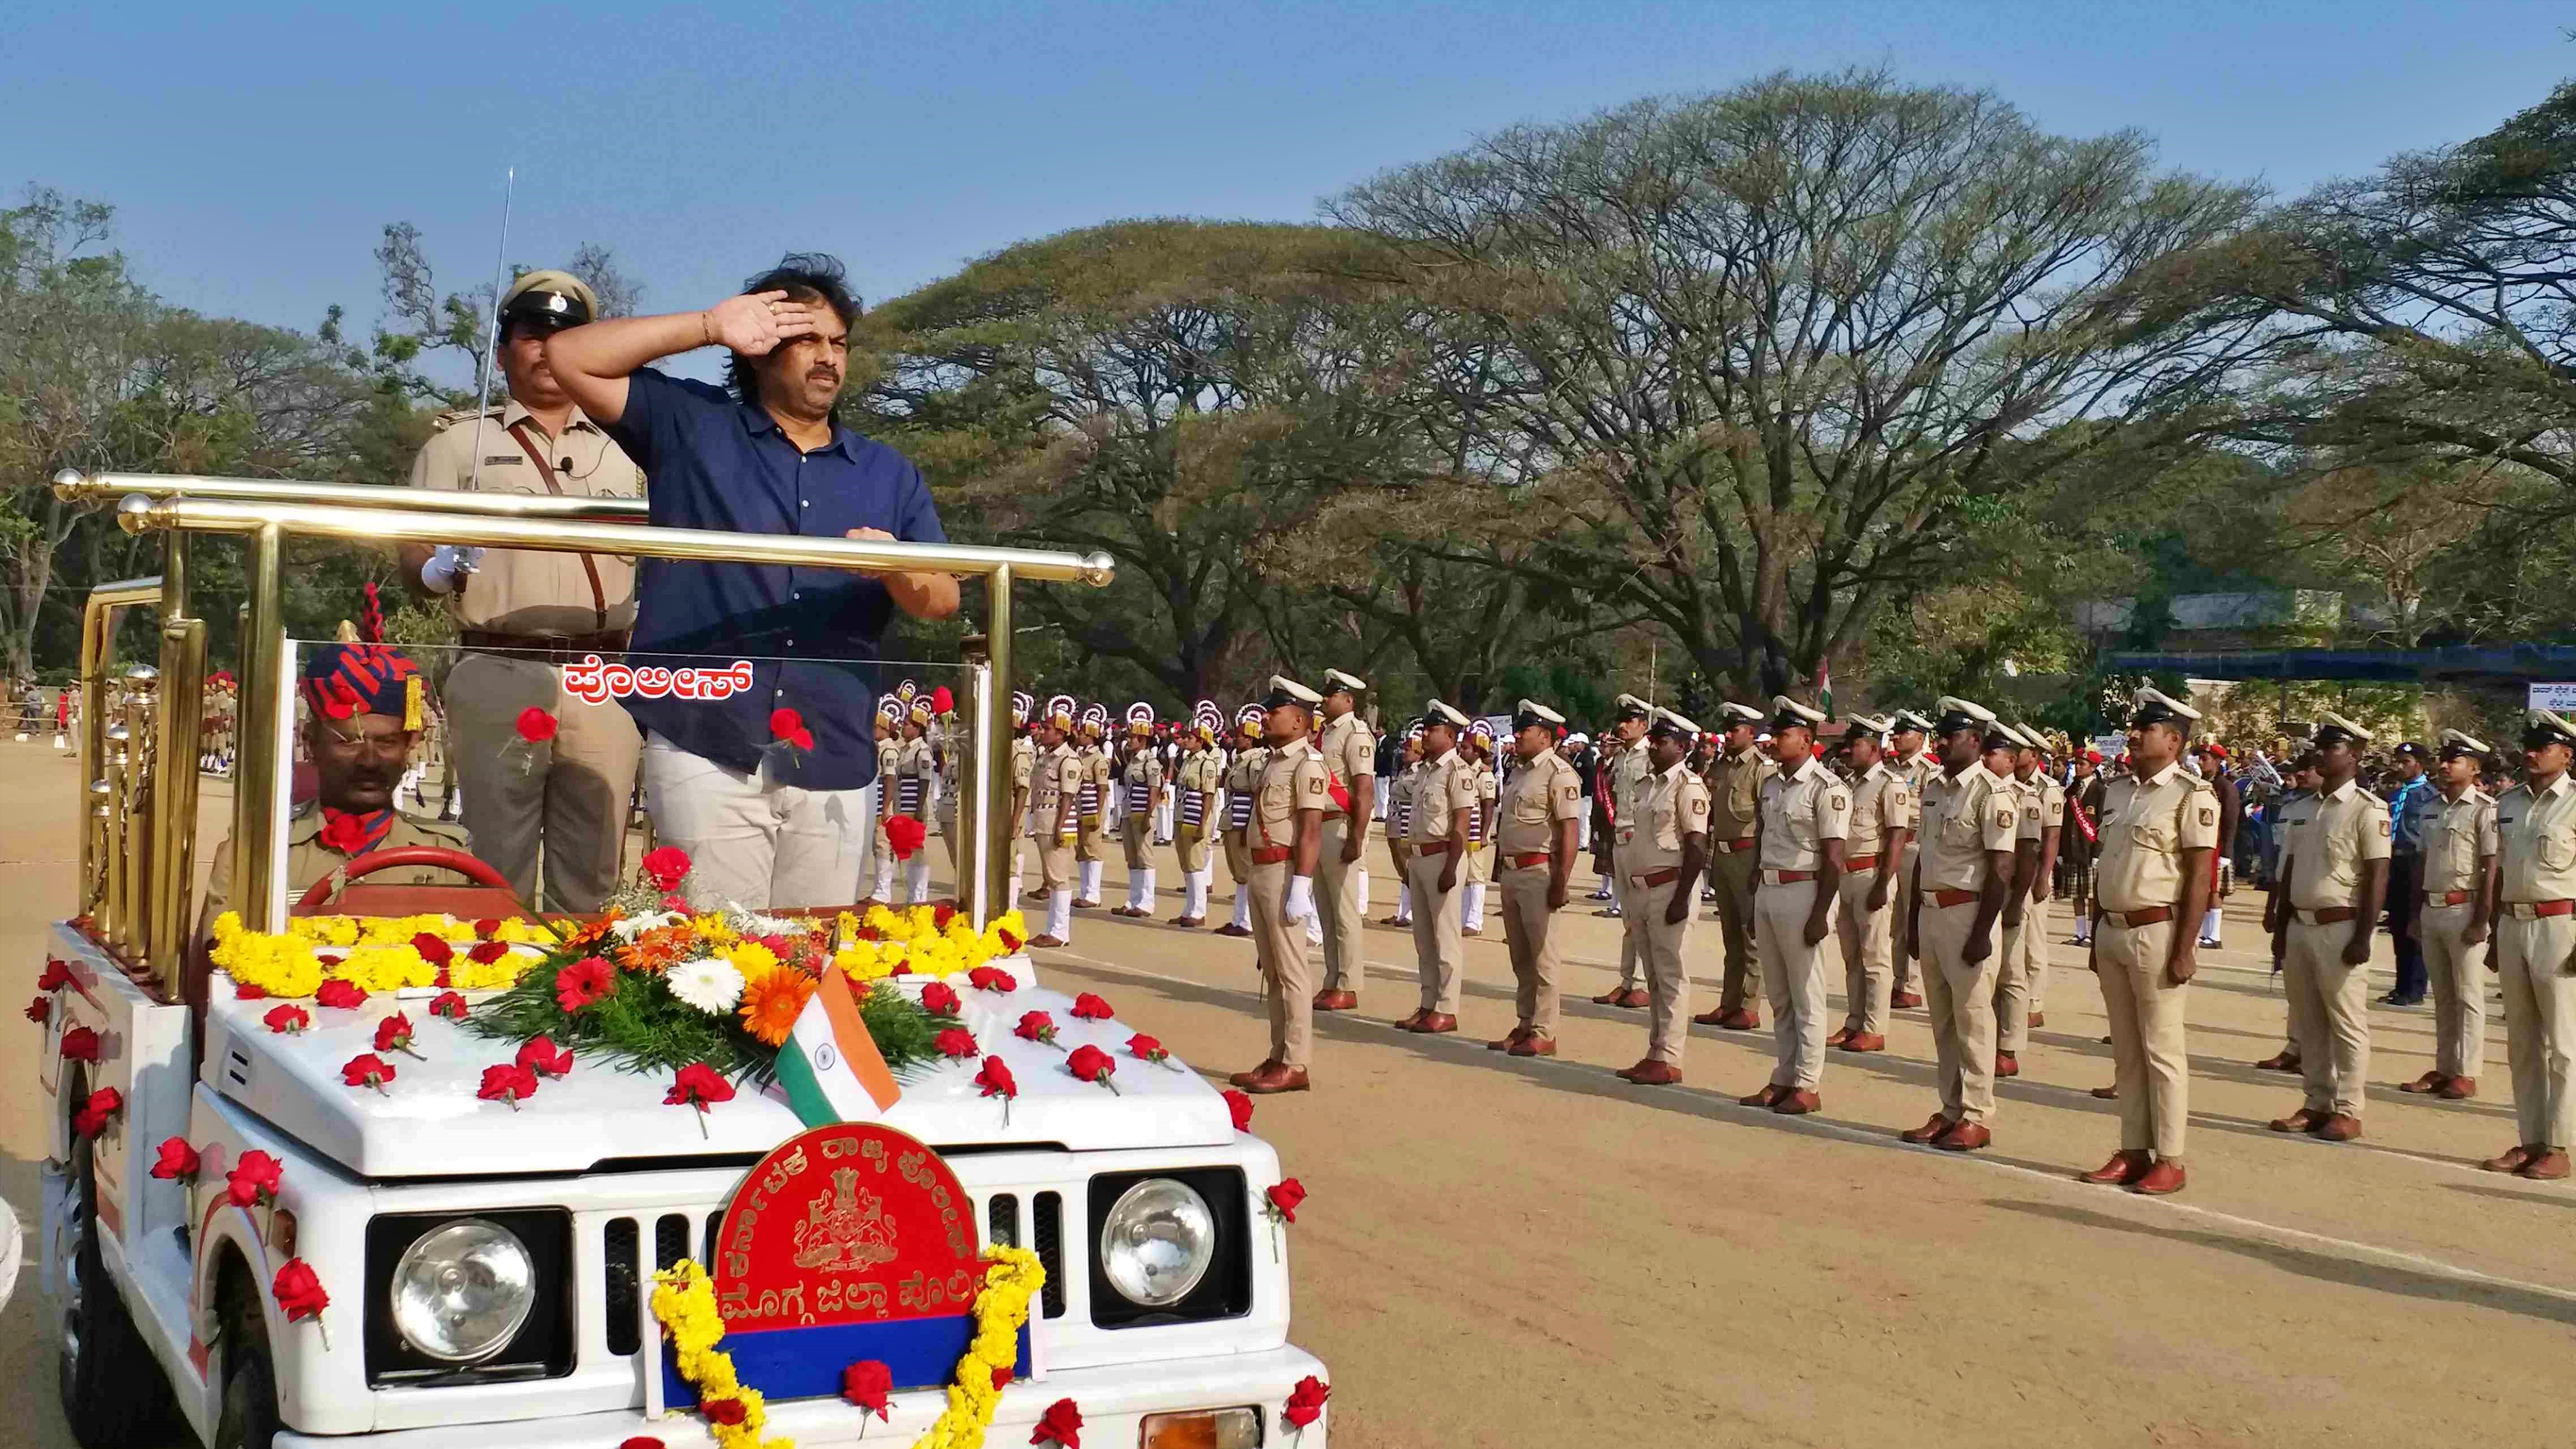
2535	918
522	615
1477	749
1055	803
1625	775
1540	815
1288	812
1140	781
1401	792
1444	808
2333	871
1735	810
1094	802
1024	759
1805	819
1911	742
916	776
1194	812
1350	762
1662	847
2458	853
1963	875
1881	832
1241	778
2159	835
889	748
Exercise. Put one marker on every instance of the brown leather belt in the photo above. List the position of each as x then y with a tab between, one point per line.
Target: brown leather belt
1789	877
557	647
1861	862
1946	899
1654	878
2527	910
2446	898
1433	847
1271	854
1524	862
2330	916
1732	847
2134	919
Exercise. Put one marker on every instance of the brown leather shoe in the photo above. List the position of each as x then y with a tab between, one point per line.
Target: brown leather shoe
1966	1137
1742	1018
1841	1034
2429	1082
1083	905
1532	1044
1609	997
2107	1094
1904	1000
1278	1077
1035	895
1797	1104
2157	1181
1471	932
2282	1062
1044	941
1231	929
1933	1130
1241	1078
1865	1041
1711	1017
2301	1120
2549	1166
1435	1023
2514	1158
2007	1065
1509	1042
1337	1001
1398	922
1189	923
1651	1073
1770	1093
1118	911
2126	1166
2457	1089
2340	1127
1635	998
1410	1022
2038	1019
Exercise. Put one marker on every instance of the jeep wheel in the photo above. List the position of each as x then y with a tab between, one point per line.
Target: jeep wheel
249	1415
113	1391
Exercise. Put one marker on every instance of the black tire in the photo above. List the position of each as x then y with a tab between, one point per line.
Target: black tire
114	1393
248	1417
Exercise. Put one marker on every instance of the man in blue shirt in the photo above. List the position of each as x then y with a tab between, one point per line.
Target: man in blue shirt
766	789
2415	802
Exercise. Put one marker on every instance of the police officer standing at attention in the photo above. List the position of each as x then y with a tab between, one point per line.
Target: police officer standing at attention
1053	802
1735	814
2535	940
2159	829
1663	845
1542	812
1242	777
1141	792
1400	793
1024	763
2332	873
522	615
1350	758
1443	806
1910	741
1963	874
1624	778
1202	775
1287	836
2410	810
1806	814
2459	857
1882	828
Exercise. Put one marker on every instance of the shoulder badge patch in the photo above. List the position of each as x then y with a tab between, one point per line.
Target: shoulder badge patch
2209	815
2383	825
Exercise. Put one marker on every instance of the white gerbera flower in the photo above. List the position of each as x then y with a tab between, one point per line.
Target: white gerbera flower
627	928
711	986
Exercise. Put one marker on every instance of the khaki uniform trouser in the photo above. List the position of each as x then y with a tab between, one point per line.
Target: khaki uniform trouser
1086	839
2329	1015
1632	959
2037	924
2459	975
1535	960
1337	903
1287	980
1479	869
2016	991
1238	857
1136	833
1900	901
568	806
2540	1024
1865	936
1659	950
1733	873
1055	862
2149	1061
1793	977
1437	947
1960	996
1191	843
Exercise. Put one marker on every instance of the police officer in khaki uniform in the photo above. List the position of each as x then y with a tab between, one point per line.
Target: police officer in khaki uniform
1094	802
1288	812
2159	833
1350	758
2032	771
2535	942
1805	819
1662	847
1735	814
1140	781
1242	777
1054	802
1477	749
1629	768
1881	832
1024	761
2332	873
560	812
1435	860
1202	775
1541	812
1963	874
916	775
1910	741
1401	792
2012	961
2458	875
890	713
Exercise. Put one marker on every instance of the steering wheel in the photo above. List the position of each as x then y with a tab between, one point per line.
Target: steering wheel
437	856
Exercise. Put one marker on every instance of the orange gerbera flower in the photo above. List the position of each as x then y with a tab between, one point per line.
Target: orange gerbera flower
770	1006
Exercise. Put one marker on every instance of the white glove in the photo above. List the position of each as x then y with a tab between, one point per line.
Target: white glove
448	563
1301	900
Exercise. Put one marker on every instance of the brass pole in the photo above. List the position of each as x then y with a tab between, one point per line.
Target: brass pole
181	742
263	730
110	919
967	834
135	912
98	642
993	764
91	488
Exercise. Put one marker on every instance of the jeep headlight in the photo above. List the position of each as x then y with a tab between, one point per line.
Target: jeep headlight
461	1292
1156	1242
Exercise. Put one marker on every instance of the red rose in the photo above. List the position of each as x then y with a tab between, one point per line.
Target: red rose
1284	1197
535	725
243	991
393	1034
1306	1405
40	1010
367	1070
343	995
668	866
725	1411
344	834
254	1179
1062	1423
787	726
484	928
1011	943
941	914
487	952
939	999
996	1080
179	1161
941	701
507	1084
641	1441
868	1384
1090	1064
433	948
582	982
58	974
1001	1378
993	979
698	1085
1146	1047
288	1019
541	1056
299	1290
94	1115
1240	1106
1091	1008
80	1044
450	1004
1035	1026
956	1042
904	835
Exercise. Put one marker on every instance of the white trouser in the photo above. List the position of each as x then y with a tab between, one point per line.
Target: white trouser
753	840
1060	914
916	877
1471	911
1243	907
1091	879
1362	887
1403	903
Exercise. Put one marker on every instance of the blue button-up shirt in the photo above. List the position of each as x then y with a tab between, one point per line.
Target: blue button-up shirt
2409	810
812	634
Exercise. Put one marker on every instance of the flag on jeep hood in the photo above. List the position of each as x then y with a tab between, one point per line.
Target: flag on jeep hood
829	1066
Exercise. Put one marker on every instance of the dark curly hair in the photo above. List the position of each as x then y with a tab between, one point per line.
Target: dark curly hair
804	277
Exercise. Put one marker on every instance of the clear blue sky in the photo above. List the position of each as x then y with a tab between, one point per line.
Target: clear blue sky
253	152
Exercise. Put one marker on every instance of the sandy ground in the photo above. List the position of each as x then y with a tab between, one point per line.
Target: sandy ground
1518	1252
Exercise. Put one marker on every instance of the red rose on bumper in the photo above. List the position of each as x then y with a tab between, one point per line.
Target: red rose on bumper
299	1291
1061	1424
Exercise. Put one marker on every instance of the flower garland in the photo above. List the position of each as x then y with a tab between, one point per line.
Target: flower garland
377	954
684	1302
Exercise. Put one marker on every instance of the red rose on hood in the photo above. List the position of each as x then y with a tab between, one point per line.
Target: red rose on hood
1146	1047
339	994
449	1004
393	1034
58	974
1061	1424
993	979
996	1079
955	1043
507	1084
1090	1064
542	1056
288	1019
1035	1026
1091	1008
367	1070
939	999
433	948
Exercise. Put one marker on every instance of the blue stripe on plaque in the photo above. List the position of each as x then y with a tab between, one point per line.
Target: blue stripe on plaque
806	1363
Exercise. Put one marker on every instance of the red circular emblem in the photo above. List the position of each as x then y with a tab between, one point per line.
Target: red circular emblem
854	1223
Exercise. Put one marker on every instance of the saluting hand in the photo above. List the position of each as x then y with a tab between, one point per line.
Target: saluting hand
754	325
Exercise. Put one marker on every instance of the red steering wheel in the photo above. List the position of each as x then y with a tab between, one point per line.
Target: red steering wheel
439	856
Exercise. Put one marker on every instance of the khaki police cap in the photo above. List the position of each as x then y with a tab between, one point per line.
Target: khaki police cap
557	297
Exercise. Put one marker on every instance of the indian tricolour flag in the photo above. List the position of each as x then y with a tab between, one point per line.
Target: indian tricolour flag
829	1066
1825	686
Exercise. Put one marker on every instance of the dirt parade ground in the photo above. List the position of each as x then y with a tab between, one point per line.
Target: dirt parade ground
1526	1252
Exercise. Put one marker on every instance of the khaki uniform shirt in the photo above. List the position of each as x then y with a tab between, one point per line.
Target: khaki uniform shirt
1673	806
1540	793
2536	839
1801	810
914	768
1095	780
1241	779
1965	816
1882	801
1628	779
2043	804
1447	786
1735	794
1293	780
1202	775
1024	765
2461	833
1144	781
2146	825
1059	779
1400	792
309	860
520	591
2348	828
1350	752
1489	789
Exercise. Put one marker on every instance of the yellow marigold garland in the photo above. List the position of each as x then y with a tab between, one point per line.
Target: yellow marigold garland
380	956
684	1302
